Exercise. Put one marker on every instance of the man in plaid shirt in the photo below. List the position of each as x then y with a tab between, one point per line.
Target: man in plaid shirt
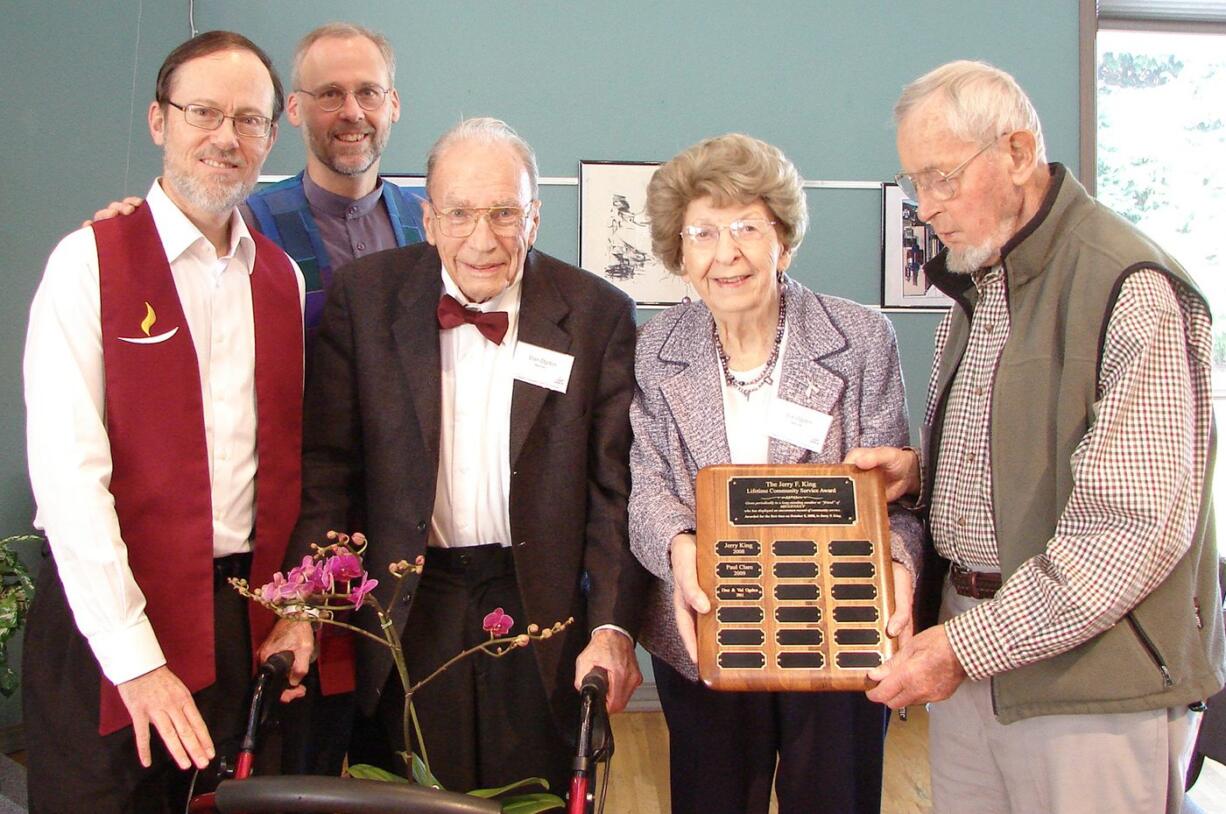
1065	476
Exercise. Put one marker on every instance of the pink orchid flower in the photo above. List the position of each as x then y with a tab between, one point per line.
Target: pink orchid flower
497	622
358	594
343	566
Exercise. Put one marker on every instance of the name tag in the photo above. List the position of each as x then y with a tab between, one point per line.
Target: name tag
798	425
542	367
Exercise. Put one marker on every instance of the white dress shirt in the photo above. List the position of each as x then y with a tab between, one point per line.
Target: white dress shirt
471	501
69	451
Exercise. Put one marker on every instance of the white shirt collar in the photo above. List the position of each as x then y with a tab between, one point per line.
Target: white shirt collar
180	235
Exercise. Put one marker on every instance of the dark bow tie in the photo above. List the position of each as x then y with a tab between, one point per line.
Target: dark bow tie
491	324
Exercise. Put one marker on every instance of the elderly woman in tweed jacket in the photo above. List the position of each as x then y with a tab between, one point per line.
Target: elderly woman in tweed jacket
728	214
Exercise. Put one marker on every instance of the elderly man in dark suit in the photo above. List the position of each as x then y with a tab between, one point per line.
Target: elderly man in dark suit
469	401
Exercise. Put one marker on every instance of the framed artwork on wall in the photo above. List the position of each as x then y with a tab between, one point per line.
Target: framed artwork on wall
615	237
907	244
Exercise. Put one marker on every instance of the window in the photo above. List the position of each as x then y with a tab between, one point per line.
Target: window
1159	145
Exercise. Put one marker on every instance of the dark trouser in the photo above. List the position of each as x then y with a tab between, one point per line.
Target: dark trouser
315	730
723	748
74	769
486	721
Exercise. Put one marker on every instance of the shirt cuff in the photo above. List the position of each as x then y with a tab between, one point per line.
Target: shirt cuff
128	653
976	637
620	630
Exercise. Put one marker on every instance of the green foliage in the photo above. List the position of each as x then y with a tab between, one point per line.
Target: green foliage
517	804
1125	70
1134	187
532	804
518	784
364	771
16	591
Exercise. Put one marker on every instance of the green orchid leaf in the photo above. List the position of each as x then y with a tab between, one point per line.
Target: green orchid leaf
422	775
532	803
8	681
527	781
364	771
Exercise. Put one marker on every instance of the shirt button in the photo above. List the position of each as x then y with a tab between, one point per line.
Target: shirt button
421	525
353	210
961	521
361	247
980	390
988	327
406	599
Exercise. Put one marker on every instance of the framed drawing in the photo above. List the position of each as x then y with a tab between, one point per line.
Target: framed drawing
907	244
614	235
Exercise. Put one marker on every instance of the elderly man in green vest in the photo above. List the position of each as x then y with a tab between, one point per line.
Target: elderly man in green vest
1065	477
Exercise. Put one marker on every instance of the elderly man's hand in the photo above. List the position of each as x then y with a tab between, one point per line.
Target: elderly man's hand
160	699
924	669
899	466
612	650
125	207
299	638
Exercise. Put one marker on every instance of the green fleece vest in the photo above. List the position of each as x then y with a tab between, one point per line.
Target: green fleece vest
1063	272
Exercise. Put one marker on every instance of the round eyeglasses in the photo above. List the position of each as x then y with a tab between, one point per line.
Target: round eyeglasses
742	230
941	186
461	221
210	118
331	98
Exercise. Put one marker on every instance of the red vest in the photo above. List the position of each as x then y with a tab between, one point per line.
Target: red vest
155	424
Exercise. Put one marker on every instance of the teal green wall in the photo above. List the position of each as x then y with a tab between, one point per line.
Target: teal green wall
633	80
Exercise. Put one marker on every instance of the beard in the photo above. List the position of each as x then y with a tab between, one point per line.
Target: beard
210	196
972	258
328	151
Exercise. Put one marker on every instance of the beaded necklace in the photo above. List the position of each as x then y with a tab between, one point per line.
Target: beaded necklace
765	377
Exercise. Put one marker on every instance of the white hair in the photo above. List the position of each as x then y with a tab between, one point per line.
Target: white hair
979	101
484	130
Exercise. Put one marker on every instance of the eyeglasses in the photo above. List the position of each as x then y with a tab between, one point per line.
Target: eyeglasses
461	221
331	98
941	186
743	230
210	118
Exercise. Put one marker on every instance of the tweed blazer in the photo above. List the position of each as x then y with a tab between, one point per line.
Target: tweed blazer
841	359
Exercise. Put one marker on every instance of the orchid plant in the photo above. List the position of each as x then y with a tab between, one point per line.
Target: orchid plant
16	592
330	583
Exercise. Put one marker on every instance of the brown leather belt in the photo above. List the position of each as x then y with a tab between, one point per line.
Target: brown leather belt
975	584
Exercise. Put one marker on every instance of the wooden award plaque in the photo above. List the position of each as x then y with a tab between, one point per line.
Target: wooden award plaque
796	562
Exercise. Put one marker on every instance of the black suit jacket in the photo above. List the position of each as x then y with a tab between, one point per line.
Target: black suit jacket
370	457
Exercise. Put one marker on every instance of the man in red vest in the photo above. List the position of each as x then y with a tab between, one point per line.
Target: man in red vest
163	379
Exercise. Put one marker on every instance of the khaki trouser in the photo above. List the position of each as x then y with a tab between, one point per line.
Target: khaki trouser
1054	764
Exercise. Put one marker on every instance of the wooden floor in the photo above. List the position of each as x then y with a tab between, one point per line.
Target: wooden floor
639	783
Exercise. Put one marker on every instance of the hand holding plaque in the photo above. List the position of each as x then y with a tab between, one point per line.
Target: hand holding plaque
796	561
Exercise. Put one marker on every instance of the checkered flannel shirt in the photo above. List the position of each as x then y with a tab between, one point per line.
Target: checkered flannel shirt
1137	476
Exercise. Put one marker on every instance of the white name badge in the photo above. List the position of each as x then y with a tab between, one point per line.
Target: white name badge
798	425
542	367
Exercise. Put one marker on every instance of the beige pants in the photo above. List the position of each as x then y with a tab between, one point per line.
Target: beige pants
1131	763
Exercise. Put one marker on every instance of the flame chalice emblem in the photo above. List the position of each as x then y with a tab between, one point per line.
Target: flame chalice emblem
146	325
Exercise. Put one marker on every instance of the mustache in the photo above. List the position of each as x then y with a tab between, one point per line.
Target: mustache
226	156
364	130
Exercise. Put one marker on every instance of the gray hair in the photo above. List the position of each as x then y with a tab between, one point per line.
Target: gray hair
980	101
484	130
342	30
730	169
